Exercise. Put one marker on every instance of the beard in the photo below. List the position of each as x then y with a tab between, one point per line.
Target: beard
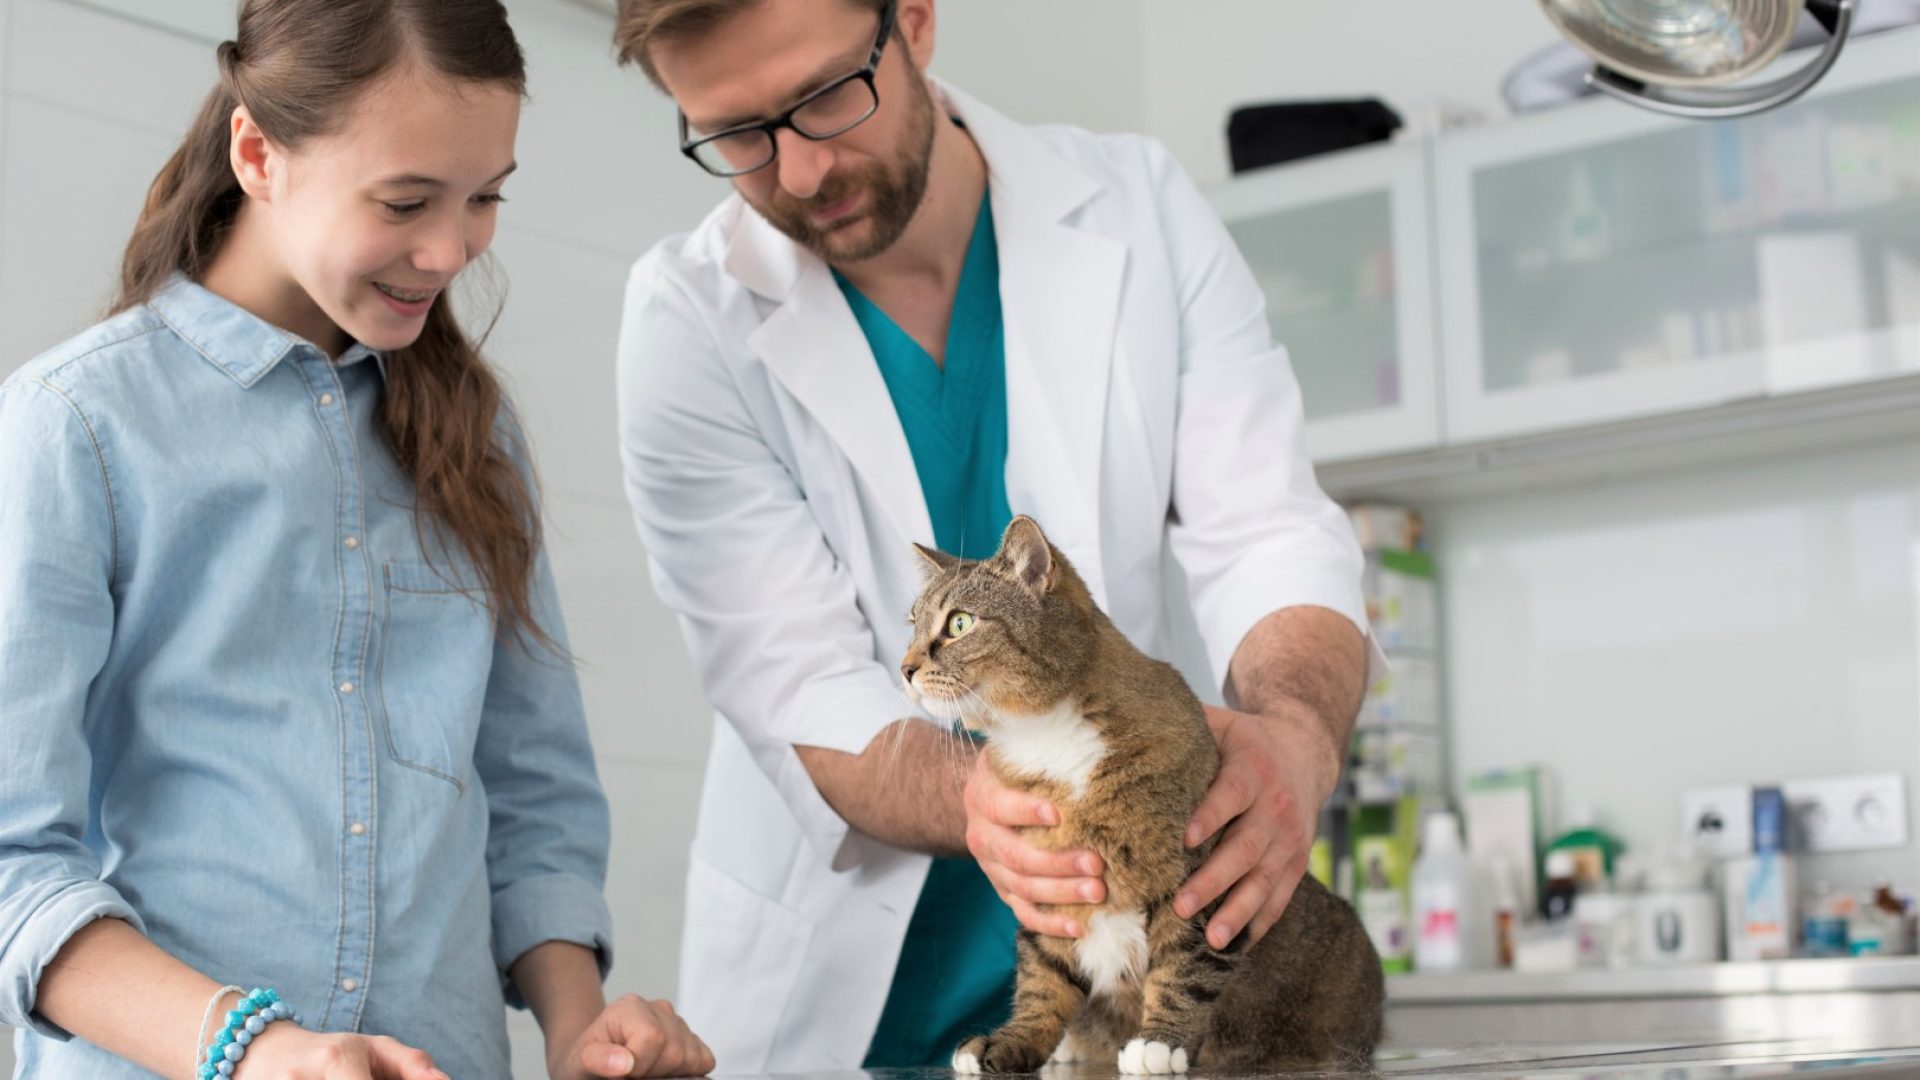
894	193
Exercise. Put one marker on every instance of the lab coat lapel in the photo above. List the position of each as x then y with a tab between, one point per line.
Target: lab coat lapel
815	348
1060	296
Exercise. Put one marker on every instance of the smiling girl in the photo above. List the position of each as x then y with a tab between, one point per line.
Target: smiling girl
284	693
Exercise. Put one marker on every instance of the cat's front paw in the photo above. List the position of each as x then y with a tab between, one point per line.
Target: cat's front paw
1150	1057
988	1054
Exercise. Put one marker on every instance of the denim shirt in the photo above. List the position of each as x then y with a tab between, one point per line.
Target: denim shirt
241	709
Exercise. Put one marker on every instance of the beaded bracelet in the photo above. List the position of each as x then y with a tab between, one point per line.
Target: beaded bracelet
248	1019
206	1017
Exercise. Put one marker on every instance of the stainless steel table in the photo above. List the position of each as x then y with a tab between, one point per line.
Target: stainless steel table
1808	1058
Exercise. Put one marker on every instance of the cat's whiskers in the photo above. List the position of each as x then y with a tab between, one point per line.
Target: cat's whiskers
956	754
985	711
890	754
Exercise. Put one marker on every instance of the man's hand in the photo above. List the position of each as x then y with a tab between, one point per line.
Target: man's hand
1275	771
634	1037
1025	875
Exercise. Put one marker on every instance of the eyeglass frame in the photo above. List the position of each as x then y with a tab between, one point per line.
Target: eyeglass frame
690	147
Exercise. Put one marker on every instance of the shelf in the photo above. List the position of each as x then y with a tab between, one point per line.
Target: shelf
1681	980
1884	411
1892	221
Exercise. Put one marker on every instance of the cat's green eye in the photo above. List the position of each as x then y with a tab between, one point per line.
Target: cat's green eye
959	623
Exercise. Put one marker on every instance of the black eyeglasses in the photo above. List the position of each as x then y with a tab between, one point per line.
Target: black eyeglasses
834	109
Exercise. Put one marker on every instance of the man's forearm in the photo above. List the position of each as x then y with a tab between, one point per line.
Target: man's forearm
1307	664
904	789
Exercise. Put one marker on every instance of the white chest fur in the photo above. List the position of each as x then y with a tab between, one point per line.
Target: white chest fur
1058	745
1114	950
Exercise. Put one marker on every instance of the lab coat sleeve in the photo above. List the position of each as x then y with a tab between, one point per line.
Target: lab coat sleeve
1249	524
547	819
768	611
57	552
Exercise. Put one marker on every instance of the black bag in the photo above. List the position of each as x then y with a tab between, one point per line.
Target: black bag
1260	135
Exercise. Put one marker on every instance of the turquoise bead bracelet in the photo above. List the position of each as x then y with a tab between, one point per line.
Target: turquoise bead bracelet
247	1020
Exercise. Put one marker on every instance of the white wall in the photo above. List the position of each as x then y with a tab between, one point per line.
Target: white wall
1742	625
1202	60
1056	61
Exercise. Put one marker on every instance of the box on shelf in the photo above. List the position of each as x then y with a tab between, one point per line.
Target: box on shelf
1383	847
1402	601
1380	527
1505	816
1406	695
1389	764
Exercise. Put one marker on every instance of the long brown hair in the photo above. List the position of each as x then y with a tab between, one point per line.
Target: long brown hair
298	66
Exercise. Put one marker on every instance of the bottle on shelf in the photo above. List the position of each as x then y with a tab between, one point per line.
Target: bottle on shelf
1556	902
1899	920
1824	927
1506	909
1450	918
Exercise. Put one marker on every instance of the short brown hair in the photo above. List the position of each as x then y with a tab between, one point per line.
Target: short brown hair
642	24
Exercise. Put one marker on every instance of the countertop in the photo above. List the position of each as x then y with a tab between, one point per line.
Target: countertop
1864	973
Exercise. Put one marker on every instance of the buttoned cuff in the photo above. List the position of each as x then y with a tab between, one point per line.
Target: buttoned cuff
1259	587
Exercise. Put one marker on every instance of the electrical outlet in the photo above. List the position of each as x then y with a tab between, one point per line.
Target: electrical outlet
1850	813
1718	821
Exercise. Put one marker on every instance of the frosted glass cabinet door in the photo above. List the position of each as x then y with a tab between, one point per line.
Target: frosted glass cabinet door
1600	263
1340	247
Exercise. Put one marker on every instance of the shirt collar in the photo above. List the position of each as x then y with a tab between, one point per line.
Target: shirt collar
234	339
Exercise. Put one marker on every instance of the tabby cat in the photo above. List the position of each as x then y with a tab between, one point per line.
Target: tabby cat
1015	648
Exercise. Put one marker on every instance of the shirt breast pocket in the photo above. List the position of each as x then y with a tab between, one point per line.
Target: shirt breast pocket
436	653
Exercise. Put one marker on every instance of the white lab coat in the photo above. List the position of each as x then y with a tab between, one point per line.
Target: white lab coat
1147	407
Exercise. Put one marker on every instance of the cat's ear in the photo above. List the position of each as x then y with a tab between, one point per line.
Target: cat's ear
1025	553
936	561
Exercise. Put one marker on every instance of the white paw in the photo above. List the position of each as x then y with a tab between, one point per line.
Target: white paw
966	1065
1143	1058
1068	1051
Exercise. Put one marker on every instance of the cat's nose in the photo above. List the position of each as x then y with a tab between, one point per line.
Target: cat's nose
907	670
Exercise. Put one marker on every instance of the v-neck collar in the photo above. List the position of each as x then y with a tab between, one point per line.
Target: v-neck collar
944	396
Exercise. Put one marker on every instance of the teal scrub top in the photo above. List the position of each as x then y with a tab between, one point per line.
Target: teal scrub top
955	975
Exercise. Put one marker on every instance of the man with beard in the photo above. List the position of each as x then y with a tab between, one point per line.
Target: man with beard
911	319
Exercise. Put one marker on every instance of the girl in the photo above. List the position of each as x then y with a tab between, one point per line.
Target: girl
284	700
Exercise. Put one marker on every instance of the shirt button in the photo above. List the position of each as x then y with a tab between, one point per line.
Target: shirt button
326	399
352	542
346	688
358	828
349	985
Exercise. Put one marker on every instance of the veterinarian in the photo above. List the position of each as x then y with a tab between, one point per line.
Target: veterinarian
912	318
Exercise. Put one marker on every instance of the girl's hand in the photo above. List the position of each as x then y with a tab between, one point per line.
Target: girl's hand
634	1037
287	1052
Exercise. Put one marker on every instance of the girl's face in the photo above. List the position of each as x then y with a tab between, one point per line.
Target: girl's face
373	222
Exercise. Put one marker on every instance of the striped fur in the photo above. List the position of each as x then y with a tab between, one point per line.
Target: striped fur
1118	742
